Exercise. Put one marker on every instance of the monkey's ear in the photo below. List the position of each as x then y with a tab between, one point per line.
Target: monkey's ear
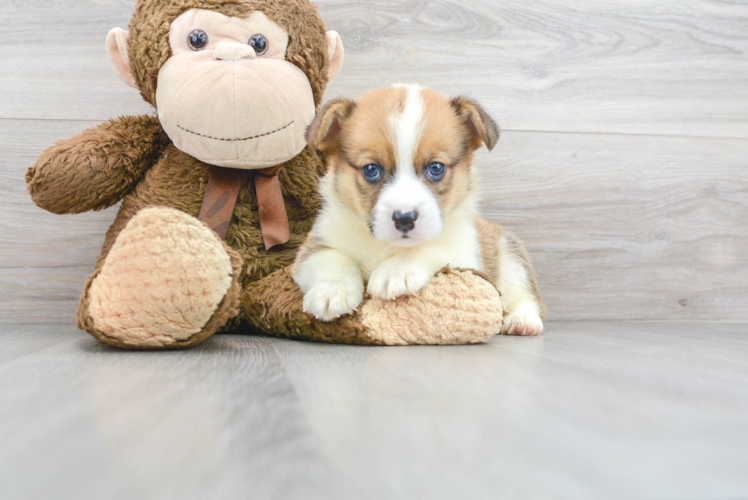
324	132
336	52
116	49
482	128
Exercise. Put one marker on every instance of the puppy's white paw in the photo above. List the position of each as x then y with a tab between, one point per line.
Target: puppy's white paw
394	279
522	323
328	301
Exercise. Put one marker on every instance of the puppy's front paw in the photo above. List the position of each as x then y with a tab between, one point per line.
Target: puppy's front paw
522	323
330	300
394	279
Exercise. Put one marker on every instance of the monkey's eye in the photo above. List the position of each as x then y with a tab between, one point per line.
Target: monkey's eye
198	40
372	173
259	43
435	171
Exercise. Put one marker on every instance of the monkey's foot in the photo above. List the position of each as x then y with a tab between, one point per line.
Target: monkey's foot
456	307
167	282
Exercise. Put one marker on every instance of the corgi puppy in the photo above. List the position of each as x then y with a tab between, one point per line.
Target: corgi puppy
400	204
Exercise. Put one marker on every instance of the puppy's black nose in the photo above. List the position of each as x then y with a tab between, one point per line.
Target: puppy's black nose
405	221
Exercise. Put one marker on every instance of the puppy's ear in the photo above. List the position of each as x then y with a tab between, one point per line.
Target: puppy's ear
324	132
481	127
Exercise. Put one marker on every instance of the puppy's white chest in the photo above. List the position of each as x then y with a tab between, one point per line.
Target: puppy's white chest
459	247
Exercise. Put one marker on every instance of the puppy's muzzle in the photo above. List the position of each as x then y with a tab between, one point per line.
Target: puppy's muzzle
405	221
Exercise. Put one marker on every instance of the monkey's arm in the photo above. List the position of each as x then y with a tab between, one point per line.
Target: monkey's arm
96	168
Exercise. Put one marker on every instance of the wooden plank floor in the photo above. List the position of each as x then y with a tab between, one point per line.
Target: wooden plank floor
590	410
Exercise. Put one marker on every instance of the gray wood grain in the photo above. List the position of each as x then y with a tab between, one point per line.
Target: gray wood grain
590	410
623	227
644	67
652	66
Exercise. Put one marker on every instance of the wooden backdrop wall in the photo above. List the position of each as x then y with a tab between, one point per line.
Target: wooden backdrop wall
623	161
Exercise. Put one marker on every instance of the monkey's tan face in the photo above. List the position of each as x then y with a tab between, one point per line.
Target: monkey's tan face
228	97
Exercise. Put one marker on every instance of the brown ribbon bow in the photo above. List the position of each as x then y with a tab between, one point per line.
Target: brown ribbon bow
222	192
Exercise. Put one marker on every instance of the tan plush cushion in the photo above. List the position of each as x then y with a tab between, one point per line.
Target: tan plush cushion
162	281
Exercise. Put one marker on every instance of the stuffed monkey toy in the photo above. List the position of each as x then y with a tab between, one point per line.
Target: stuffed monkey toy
219	188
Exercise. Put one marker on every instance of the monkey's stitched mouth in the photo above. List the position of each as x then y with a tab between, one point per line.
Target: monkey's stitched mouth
237	140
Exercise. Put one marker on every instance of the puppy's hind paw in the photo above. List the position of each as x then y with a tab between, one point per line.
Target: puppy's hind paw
328	301
394	279
522	323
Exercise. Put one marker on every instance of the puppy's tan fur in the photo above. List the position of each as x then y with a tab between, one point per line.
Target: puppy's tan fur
403	130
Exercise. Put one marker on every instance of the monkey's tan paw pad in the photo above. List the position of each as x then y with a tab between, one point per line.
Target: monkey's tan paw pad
456	307
162	281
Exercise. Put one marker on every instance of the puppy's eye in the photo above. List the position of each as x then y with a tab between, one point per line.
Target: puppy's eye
435	171
372	173
259	43
198	40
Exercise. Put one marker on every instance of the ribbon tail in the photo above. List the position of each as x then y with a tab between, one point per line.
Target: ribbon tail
272	208
221	194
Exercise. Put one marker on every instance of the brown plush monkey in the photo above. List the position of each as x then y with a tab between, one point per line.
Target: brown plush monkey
220	188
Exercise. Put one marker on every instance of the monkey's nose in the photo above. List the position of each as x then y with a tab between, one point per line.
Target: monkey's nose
232	51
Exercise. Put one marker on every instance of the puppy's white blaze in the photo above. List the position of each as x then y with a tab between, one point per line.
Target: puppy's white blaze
406	128
406	192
